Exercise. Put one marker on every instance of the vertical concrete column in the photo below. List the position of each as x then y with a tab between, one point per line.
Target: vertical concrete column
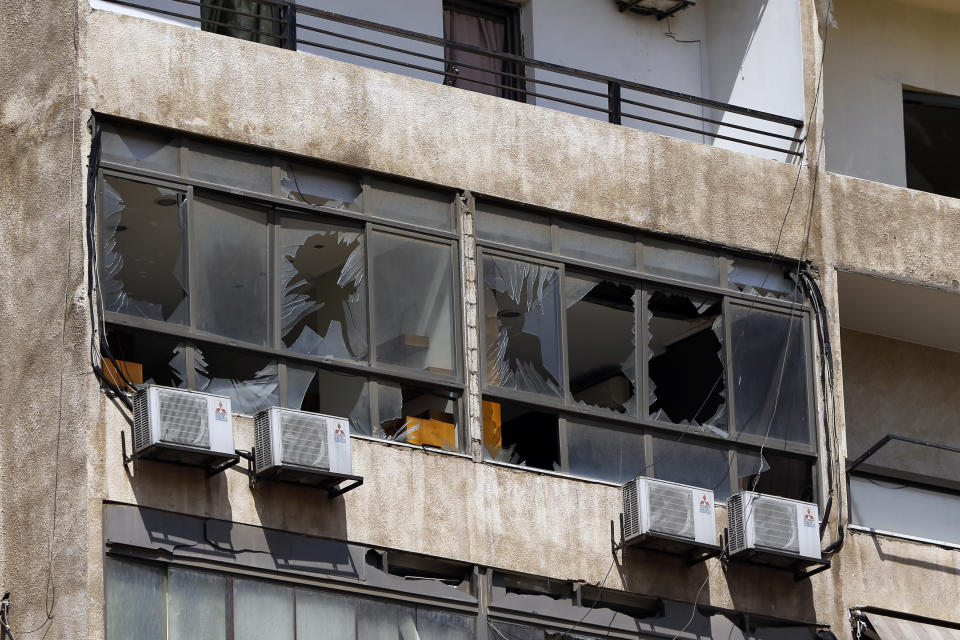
468	270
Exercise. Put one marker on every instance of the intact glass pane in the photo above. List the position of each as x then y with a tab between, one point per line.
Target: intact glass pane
139	148
249	380
325	616
332	393
314	185
231	270
413	303
414	205
143	267
323	305
897	507
521	307
231	167
512	226
604	453
196	606
769	374
439	625
691	463
381	621
597	244
262	610
600	343
134	600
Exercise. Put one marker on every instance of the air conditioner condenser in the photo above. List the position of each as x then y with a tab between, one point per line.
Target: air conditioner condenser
666	516
302	447
772	530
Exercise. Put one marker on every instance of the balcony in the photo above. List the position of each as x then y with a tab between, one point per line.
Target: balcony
701	53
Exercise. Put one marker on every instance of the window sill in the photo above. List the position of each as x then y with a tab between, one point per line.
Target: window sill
856	528
407	445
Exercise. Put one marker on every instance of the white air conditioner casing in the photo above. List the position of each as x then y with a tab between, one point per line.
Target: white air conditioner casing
668	516
299	446
188	427
772	530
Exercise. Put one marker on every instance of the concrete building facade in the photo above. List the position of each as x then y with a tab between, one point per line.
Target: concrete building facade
543	257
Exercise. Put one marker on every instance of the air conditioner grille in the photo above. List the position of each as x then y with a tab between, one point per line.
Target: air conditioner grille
183	419
736	540
141	419
775	524
631	514
304	440
263	449
671	510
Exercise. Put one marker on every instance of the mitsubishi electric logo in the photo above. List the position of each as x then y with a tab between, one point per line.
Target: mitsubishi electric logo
221	413
339	435
808	519
704	504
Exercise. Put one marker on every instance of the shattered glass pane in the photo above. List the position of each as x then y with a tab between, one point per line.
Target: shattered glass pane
231	167
138	148
521	309
764	278
413	303
313	185
694	464
331	393
686	360
604	453
145	358
597	244
520	435
680	262
250	381
415	205
512	226
323	306
600	343
769	374
411	414
230	270
780	475
143	269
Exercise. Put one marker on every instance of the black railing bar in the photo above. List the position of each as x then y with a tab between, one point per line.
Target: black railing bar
447	61
195	19
446	73
892	436
712	121
549	66
711	135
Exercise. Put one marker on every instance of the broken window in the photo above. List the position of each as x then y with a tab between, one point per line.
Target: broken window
323	289
769	376
413	302
780	475
931	128
313	185
614	454
522	435
600	342
144	250
332	393
249	380
692	463
686	371
522	325
145	358
763	278
414	415
230	269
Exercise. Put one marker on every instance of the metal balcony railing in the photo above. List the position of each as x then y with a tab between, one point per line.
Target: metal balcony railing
295	26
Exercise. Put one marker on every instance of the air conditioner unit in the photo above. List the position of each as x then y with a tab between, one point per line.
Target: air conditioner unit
771	530
180	426
666	516
302	447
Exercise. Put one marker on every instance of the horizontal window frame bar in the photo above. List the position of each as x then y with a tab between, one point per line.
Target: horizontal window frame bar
859	528
915	481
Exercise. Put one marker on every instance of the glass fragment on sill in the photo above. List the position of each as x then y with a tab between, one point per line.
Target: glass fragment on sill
517	434
139	148
522	325
331	393
145	358
410	414
601	342
251	381
413	303
769	374
686	368
143	272
323	297
313	185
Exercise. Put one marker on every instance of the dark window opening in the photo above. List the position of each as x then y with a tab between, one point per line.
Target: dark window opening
779	475
521	435
331	393
145	358
931	130
686	365
692	463
487	25
415	415
250	380
253	20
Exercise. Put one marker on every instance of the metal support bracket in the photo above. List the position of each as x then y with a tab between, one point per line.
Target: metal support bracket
803	574
212	471
127	459
695	556
333	492
249	457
